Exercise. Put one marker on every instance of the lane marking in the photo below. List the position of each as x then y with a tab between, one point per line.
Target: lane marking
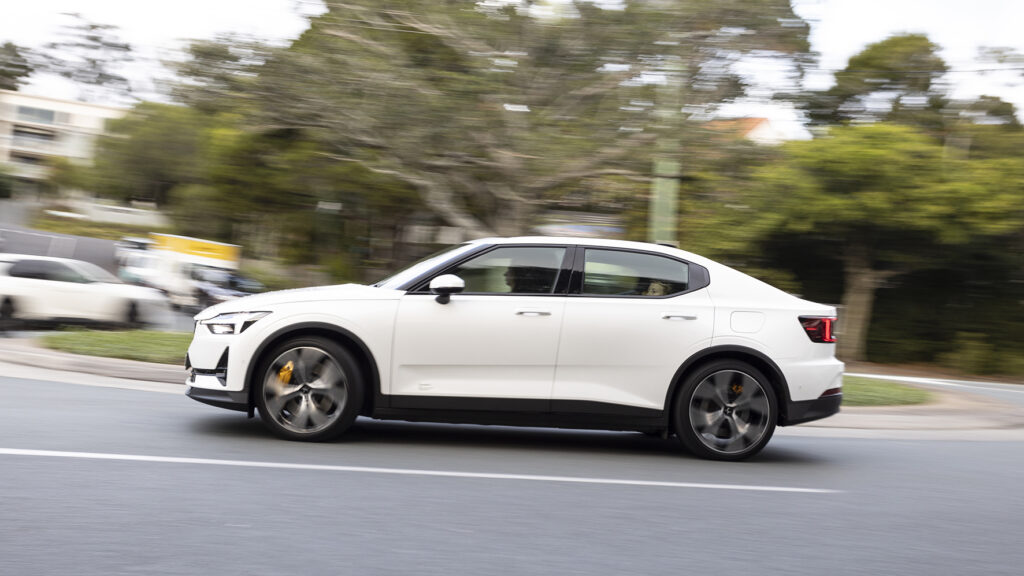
409	472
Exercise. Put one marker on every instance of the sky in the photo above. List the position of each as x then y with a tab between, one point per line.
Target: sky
839	29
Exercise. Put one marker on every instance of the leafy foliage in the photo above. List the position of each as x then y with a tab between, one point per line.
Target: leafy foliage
90	55
14	66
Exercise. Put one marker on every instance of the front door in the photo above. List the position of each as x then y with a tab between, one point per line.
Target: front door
498	339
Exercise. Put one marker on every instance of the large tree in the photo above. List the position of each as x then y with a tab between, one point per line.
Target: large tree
149	152
884	200
92	56
898	79
14	66
487	109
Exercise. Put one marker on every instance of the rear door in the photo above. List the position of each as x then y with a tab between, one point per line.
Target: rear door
631	321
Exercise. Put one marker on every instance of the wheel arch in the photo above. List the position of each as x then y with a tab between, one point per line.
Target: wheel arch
351	342
757	359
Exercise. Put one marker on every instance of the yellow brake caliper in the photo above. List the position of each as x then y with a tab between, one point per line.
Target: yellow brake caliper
285	373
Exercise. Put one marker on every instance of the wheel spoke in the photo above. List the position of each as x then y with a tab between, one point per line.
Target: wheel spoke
300	417
330	376
317	417
277	402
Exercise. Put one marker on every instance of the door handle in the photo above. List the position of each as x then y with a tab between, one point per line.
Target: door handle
525	312
669	316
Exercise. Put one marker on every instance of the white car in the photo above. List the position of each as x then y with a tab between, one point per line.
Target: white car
41	288
563	332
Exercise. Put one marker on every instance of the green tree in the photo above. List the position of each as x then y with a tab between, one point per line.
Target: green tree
884	201
14	66
149	152
894	79
91	55
489	111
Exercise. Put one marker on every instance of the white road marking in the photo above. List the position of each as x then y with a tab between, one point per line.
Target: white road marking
408	472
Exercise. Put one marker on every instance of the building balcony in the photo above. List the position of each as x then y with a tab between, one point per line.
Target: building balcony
27	171
37	146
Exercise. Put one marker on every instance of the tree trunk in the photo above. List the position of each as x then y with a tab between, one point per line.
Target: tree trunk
860	281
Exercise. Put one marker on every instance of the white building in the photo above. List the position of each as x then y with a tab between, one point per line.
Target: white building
34	129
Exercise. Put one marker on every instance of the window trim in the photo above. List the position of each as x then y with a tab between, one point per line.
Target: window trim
699	276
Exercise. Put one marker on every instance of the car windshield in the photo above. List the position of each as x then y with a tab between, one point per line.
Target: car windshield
410	272
94	273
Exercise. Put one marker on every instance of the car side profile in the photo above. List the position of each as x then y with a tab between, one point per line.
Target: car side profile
534	331
48	289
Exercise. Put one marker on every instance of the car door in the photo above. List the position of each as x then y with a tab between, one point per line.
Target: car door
72	294
631	320
498	339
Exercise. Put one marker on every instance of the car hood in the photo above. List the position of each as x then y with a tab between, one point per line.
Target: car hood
259	302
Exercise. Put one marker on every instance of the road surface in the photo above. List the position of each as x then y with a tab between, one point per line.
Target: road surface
108	480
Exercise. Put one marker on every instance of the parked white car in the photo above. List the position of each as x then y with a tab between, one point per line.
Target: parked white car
40	288
564	332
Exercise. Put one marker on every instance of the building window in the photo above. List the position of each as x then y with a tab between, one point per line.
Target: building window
25	159
37	115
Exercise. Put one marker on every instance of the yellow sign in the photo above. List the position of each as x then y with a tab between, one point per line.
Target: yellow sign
228	253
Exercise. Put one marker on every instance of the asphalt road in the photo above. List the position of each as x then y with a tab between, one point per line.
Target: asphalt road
99	480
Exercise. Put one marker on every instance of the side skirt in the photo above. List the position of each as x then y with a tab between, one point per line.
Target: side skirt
521	412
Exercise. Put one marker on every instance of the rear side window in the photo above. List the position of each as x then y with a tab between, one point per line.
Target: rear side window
621	273
28	269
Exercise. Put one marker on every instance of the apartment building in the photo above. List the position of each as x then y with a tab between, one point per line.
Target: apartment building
34	129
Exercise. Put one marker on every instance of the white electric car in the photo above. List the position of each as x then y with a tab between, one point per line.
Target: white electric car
562	332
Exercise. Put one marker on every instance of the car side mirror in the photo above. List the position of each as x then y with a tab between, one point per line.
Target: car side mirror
445	285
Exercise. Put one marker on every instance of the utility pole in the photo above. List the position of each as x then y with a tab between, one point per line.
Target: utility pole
663	207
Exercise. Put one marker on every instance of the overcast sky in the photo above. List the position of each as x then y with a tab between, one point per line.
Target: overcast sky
839	29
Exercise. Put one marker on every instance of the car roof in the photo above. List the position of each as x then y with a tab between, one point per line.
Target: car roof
7	257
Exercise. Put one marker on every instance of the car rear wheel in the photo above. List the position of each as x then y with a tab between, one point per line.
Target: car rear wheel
6	315
726	410
132	316
309	389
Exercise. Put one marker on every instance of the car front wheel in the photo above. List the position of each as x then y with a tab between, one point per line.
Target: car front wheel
726	410
309	389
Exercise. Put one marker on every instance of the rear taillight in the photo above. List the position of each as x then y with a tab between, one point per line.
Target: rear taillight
819	328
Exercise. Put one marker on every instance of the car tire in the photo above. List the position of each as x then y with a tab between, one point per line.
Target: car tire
6	315
725	410
132	315
309	388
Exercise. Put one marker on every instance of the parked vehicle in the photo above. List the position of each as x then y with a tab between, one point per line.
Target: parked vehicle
565	332
216	285
39	288
169	264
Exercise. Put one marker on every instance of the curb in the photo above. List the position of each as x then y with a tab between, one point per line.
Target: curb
26	352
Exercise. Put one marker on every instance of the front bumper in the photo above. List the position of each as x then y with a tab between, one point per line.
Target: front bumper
810	410
220	398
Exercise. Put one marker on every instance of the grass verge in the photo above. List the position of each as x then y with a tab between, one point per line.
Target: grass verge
104	230
144	345
859	391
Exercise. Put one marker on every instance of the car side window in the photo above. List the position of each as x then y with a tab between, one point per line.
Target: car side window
26	269
62	273
622	273
512	270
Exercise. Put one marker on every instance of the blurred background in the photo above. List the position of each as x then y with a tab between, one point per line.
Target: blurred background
860	154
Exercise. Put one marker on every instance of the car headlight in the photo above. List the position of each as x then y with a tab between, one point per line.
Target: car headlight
232	322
